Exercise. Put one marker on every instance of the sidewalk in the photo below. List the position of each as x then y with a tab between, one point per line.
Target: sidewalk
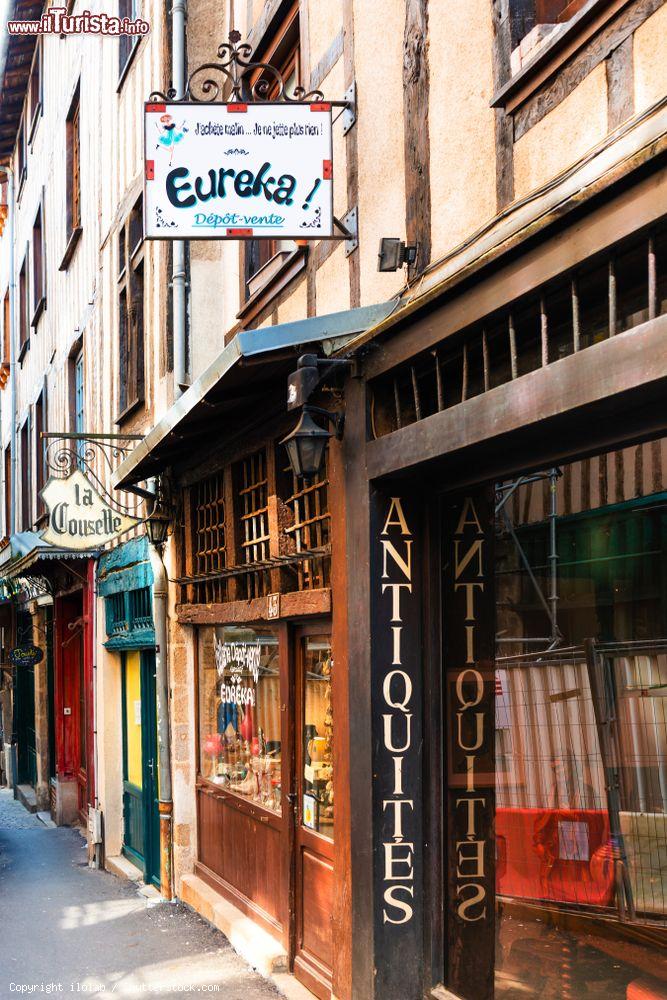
86	931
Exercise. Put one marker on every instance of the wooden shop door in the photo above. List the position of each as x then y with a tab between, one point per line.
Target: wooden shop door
74	721
141	818
314	882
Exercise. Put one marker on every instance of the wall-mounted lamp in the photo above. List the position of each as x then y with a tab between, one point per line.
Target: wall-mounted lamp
159	519
307	443
393	253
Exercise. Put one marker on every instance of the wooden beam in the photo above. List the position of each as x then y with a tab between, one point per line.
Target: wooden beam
416	142
504	126
636	207
620	84
298	604
605	376
351	149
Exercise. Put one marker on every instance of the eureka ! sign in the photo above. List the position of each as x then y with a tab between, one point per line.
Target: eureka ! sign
238	171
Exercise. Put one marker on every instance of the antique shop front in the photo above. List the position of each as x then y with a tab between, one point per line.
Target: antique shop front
507	560
259	657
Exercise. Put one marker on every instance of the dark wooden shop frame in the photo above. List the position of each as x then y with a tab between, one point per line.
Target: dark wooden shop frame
285	922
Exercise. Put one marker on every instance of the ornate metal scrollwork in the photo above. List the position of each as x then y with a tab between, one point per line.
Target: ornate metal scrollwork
238	79
97	456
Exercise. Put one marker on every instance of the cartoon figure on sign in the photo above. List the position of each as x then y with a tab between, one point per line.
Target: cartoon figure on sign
169	134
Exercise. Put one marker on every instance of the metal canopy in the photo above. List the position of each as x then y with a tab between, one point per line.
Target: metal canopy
25	548
245	372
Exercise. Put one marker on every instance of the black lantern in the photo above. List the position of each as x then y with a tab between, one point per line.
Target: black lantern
158	521
307	443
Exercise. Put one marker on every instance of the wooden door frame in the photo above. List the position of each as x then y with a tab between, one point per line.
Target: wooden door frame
280	926
315	976
150	858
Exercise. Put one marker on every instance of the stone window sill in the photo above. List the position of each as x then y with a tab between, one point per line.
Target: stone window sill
550	57
291	266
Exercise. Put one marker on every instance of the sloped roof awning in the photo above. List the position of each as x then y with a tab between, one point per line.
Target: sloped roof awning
245	373
26	548
16	52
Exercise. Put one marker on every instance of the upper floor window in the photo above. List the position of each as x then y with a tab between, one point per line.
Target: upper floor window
35	90
26	505
264	257
38	266
78	400
6	340
127	44
131	313
8	490
40	458
528	16
21	155
73	177
23	305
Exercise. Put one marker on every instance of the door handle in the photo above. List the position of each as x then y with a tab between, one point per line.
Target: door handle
151	767
291	797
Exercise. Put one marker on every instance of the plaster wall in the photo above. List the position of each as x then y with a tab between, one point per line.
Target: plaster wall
324	23
574	127
108	710
379	76
650	63
183	736
461	123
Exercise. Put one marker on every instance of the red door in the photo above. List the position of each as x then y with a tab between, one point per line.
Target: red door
73	696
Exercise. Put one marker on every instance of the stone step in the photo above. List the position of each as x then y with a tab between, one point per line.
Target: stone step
25	794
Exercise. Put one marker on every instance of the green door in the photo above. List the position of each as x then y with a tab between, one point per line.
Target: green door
140	791
24	708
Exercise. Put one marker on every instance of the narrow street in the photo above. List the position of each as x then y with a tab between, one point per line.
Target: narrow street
93	933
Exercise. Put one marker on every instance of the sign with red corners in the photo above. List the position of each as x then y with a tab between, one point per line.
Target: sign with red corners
238	171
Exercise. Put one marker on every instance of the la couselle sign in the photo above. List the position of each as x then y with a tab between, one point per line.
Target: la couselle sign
78	515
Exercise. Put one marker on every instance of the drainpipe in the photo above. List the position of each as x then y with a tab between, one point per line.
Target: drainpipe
11	514
165	804
178	273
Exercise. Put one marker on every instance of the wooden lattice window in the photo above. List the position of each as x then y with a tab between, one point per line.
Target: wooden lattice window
252	520
209	541
131	384
73	139
310	528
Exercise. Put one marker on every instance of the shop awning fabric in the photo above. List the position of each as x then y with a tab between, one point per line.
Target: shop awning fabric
244	373
26	548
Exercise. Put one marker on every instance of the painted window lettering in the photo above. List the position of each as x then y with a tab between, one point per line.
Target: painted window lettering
397	731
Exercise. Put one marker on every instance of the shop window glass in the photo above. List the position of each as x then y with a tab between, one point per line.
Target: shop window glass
318	800
581	729
239	712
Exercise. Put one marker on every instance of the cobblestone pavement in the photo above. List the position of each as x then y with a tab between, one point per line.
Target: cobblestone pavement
67	928
12	814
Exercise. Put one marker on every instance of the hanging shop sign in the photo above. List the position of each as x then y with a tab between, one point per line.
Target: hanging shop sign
78	516
397	666
26	656
238	171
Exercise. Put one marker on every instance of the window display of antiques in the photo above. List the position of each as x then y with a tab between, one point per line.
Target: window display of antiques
241	743
318	794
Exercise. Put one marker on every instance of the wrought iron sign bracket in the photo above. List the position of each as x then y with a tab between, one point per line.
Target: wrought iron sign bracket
349	116
349	226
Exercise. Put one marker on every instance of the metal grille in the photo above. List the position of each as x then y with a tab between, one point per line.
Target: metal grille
253	520
141	614
596	301
581	764
210	554
116	620
310	529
